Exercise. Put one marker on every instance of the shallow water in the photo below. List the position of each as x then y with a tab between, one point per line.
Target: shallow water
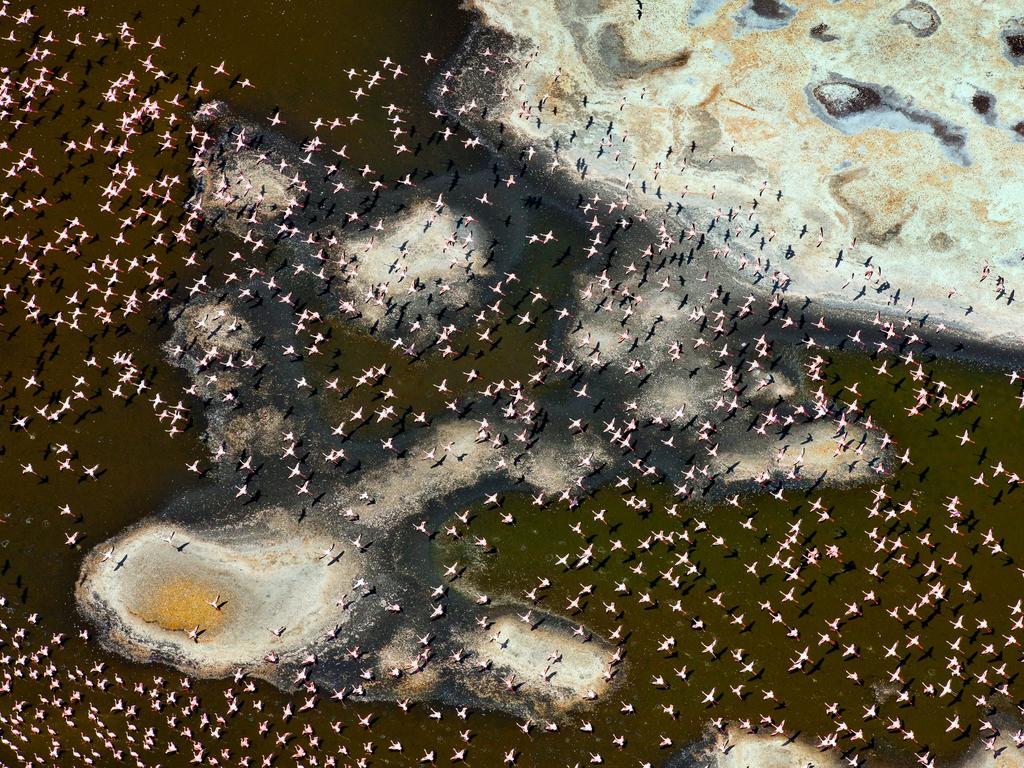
527	550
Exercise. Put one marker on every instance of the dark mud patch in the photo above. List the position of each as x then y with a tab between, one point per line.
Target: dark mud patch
764	15
609	53
984	103
1013	45
820	33
853	107
920	18
843	99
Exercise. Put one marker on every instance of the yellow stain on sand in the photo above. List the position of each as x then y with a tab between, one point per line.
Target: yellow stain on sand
181	604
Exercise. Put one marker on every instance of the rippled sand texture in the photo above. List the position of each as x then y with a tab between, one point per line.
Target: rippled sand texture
891	126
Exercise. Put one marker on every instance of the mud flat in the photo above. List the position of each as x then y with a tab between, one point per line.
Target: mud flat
431	254
737	749
523	654
745	750
400	488
880	126
413	265
150	593
812	451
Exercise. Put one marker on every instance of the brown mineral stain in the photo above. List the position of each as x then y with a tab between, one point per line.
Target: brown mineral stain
180	605
712	95
741	104
879	212
940	241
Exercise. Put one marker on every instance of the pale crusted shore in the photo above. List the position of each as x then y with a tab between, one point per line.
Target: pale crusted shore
150	593
872	122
